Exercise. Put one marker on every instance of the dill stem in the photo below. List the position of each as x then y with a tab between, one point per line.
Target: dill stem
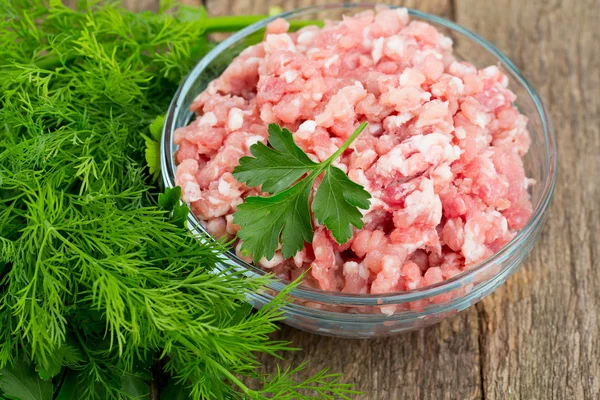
230	376
49	63
235	23
215	364
229	23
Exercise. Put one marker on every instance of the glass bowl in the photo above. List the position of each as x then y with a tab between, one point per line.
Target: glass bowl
366	316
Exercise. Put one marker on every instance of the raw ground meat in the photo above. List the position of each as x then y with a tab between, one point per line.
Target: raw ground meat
441	155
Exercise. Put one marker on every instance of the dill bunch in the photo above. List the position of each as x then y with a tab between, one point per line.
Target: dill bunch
100	291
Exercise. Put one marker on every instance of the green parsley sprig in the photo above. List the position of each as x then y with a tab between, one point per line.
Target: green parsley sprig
285	171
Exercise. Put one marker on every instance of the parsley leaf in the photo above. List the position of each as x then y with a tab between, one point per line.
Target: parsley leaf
180	214
152	150
20	382
169	198
156	127
175	391
152	155
68	354
336	204
135	386
264	219
169	201
285	217
274	168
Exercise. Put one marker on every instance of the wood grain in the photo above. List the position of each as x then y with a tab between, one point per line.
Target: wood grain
226	7
441	362
538	336
141	5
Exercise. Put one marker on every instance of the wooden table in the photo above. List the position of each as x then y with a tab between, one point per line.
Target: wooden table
538	336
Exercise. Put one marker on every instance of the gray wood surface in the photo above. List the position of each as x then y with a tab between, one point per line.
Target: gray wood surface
537	337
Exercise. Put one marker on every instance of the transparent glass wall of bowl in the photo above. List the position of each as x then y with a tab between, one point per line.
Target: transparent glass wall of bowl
367	316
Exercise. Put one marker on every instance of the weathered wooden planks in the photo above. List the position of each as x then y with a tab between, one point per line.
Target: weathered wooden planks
540	336
226	7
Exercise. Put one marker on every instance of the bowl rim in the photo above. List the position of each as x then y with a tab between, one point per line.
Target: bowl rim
534	223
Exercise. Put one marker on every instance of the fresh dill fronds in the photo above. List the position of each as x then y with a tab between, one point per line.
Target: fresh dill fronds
100	284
